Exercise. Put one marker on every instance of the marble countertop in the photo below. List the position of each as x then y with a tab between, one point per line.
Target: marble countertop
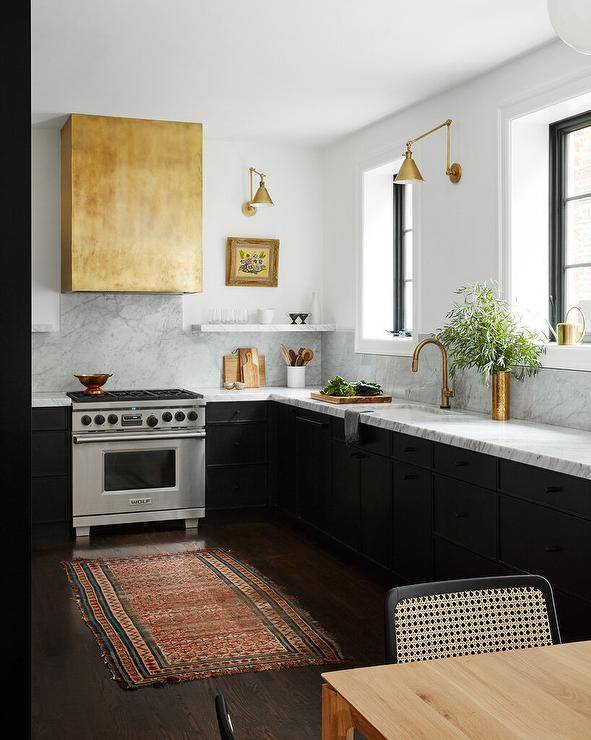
55	398
551	447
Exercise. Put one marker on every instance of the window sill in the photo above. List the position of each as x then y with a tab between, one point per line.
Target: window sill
567	357
393	346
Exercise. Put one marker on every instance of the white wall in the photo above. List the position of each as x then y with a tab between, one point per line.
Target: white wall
45	226
294	182
459	224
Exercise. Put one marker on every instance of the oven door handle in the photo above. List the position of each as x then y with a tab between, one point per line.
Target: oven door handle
125	437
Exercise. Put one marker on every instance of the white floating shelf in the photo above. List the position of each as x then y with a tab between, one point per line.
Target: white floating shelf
231	328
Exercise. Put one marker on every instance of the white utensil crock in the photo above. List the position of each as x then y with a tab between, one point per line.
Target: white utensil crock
296	377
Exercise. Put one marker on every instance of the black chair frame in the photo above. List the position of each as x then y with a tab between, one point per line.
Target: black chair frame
401	593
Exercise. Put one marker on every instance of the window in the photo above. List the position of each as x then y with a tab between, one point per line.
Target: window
570	215
402	220
387	287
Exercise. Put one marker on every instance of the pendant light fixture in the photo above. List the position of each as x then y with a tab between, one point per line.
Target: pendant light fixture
410	173
261	197
571	20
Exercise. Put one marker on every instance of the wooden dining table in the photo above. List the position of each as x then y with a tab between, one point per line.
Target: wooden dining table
535	693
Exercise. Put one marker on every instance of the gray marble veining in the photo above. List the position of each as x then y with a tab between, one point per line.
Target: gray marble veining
140	339
561	397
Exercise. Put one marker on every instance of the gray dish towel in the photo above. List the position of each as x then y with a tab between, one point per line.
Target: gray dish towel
352	419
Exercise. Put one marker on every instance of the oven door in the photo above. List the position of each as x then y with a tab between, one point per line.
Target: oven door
143	472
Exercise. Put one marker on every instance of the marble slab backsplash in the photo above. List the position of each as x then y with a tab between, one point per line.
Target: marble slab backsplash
140	339
561	397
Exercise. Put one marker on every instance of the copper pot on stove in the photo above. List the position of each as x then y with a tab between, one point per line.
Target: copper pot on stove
93	382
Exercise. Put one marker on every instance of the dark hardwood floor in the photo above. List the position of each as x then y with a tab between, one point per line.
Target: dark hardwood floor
74	695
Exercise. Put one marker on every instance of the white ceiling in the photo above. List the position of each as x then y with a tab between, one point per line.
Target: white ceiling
303	70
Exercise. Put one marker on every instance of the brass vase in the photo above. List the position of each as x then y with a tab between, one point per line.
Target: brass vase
501	395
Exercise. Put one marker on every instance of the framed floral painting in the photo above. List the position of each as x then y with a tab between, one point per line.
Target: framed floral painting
252	261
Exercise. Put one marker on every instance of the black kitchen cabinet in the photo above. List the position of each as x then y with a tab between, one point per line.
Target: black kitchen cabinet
376	509
412	514
424	510
345	501
236	453
51	497
283	461
313	468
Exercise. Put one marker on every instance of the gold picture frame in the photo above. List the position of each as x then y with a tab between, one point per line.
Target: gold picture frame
253	262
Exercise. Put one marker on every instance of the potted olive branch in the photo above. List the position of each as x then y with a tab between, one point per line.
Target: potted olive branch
483	333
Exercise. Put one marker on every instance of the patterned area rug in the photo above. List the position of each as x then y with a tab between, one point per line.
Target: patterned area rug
183	616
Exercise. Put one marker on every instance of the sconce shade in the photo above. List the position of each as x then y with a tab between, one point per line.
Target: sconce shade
408	172
262	197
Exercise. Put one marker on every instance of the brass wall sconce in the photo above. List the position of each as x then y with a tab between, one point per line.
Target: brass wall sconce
409	172
261	197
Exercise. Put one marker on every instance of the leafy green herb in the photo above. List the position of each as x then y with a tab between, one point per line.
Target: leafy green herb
483	333
340	387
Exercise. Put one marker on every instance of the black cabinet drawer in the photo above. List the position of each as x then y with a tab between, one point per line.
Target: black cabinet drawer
574	617
453	562
543	541
547	487
49	453
413	450
466	465
371	439
230	444
235	488
412	515
50	500
466	514
54	417
228	411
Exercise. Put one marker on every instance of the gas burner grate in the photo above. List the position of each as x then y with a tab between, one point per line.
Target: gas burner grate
159	394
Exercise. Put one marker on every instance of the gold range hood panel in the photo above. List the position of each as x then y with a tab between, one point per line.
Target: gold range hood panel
131	205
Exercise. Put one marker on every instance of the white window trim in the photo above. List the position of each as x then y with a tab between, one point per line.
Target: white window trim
392	346
576	357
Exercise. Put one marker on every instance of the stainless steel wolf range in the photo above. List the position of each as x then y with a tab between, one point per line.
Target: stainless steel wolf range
137	456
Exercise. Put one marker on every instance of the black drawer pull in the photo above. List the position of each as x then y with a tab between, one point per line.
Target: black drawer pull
553	489
236	412
237	444
410	476
409	449
553	548
461	463
311	421
237	486
462	515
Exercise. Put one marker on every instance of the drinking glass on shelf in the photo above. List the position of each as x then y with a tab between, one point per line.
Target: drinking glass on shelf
242	315
229	316
215	315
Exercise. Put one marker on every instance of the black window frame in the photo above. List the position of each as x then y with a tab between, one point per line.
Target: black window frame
559	131
398	208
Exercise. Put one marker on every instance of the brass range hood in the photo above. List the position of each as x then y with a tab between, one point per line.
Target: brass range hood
131	208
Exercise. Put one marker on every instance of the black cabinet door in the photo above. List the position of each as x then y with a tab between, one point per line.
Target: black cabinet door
345	501
313	467
233	444
376	509
283	461
453	562
413	548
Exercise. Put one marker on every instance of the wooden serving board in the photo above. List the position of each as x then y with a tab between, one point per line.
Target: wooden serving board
351	399
232	369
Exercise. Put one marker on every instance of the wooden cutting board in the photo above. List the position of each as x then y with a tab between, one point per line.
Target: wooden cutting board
232	369
351	399
249	366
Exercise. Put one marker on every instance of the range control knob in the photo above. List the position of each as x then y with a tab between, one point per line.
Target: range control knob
167	416
99	419
86	420
112	418
151	421
192	416
179	416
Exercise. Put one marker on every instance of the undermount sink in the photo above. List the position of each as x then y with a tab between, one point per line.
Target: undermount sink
419	412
